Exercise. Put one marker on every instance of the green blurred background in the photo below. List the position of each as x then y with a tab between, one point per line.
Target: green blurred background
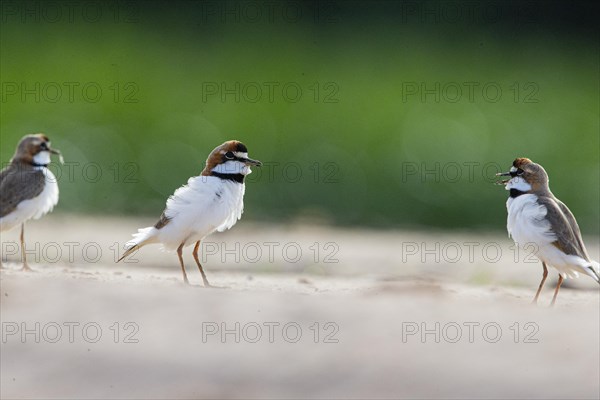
361	144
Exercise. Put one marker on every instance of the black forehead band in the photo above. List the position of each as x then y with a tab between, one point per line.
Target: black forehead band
241	147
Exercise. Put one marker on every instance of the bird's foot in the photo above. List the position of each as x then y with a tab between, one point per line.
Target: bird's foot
27	268
208	285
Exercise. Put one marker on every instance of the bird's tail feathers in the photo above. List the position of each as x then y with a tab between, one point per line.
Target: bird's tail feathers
143	237
129	251
595	271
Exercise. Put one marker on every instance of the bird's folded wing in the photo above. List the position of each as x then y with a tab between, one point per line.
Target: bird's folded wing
571	218
564	225
18	185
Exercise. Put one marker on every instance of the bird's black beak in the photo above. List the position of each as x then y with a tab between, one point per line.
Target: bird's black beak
249	161
58	153
505	181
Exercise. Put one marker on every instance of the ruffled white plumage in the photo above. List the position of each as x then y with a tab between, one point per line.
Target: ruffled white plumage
204	205
36	207
529	228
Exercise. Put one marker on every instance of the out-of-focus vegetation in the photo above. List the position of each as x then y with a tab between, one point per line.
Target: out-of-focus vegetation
399	122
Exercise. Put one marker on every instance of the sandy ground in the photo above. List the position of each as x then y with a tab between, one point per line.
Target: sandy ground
300	312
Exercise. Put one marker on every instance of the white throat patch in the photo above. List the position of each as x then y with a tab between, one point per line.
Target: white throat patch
232	167
42	158
518	183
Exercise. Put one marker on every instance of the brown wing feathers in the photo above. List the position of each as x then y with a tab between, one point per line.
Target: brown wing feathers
19	182
564	226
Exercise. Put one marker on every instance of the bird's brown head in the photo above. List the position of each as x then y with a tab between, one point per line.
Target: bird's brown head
525	174
230	158
35	150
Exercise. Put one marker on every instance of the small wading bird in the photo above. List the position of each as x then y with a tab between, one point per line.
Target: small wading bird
213	201
28	189
535	216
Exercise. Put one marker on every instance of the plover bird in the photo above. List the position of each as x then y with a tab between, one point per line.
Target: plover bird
28	189
212	201
536	217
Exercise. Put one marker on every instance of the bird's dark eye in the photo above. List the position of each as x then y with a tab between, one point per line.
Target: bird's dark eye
43	146
520	171
229	155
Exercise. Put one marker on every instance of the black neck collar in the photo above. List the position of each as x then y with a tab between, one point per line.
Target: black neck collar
38	165
239	178
514	193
